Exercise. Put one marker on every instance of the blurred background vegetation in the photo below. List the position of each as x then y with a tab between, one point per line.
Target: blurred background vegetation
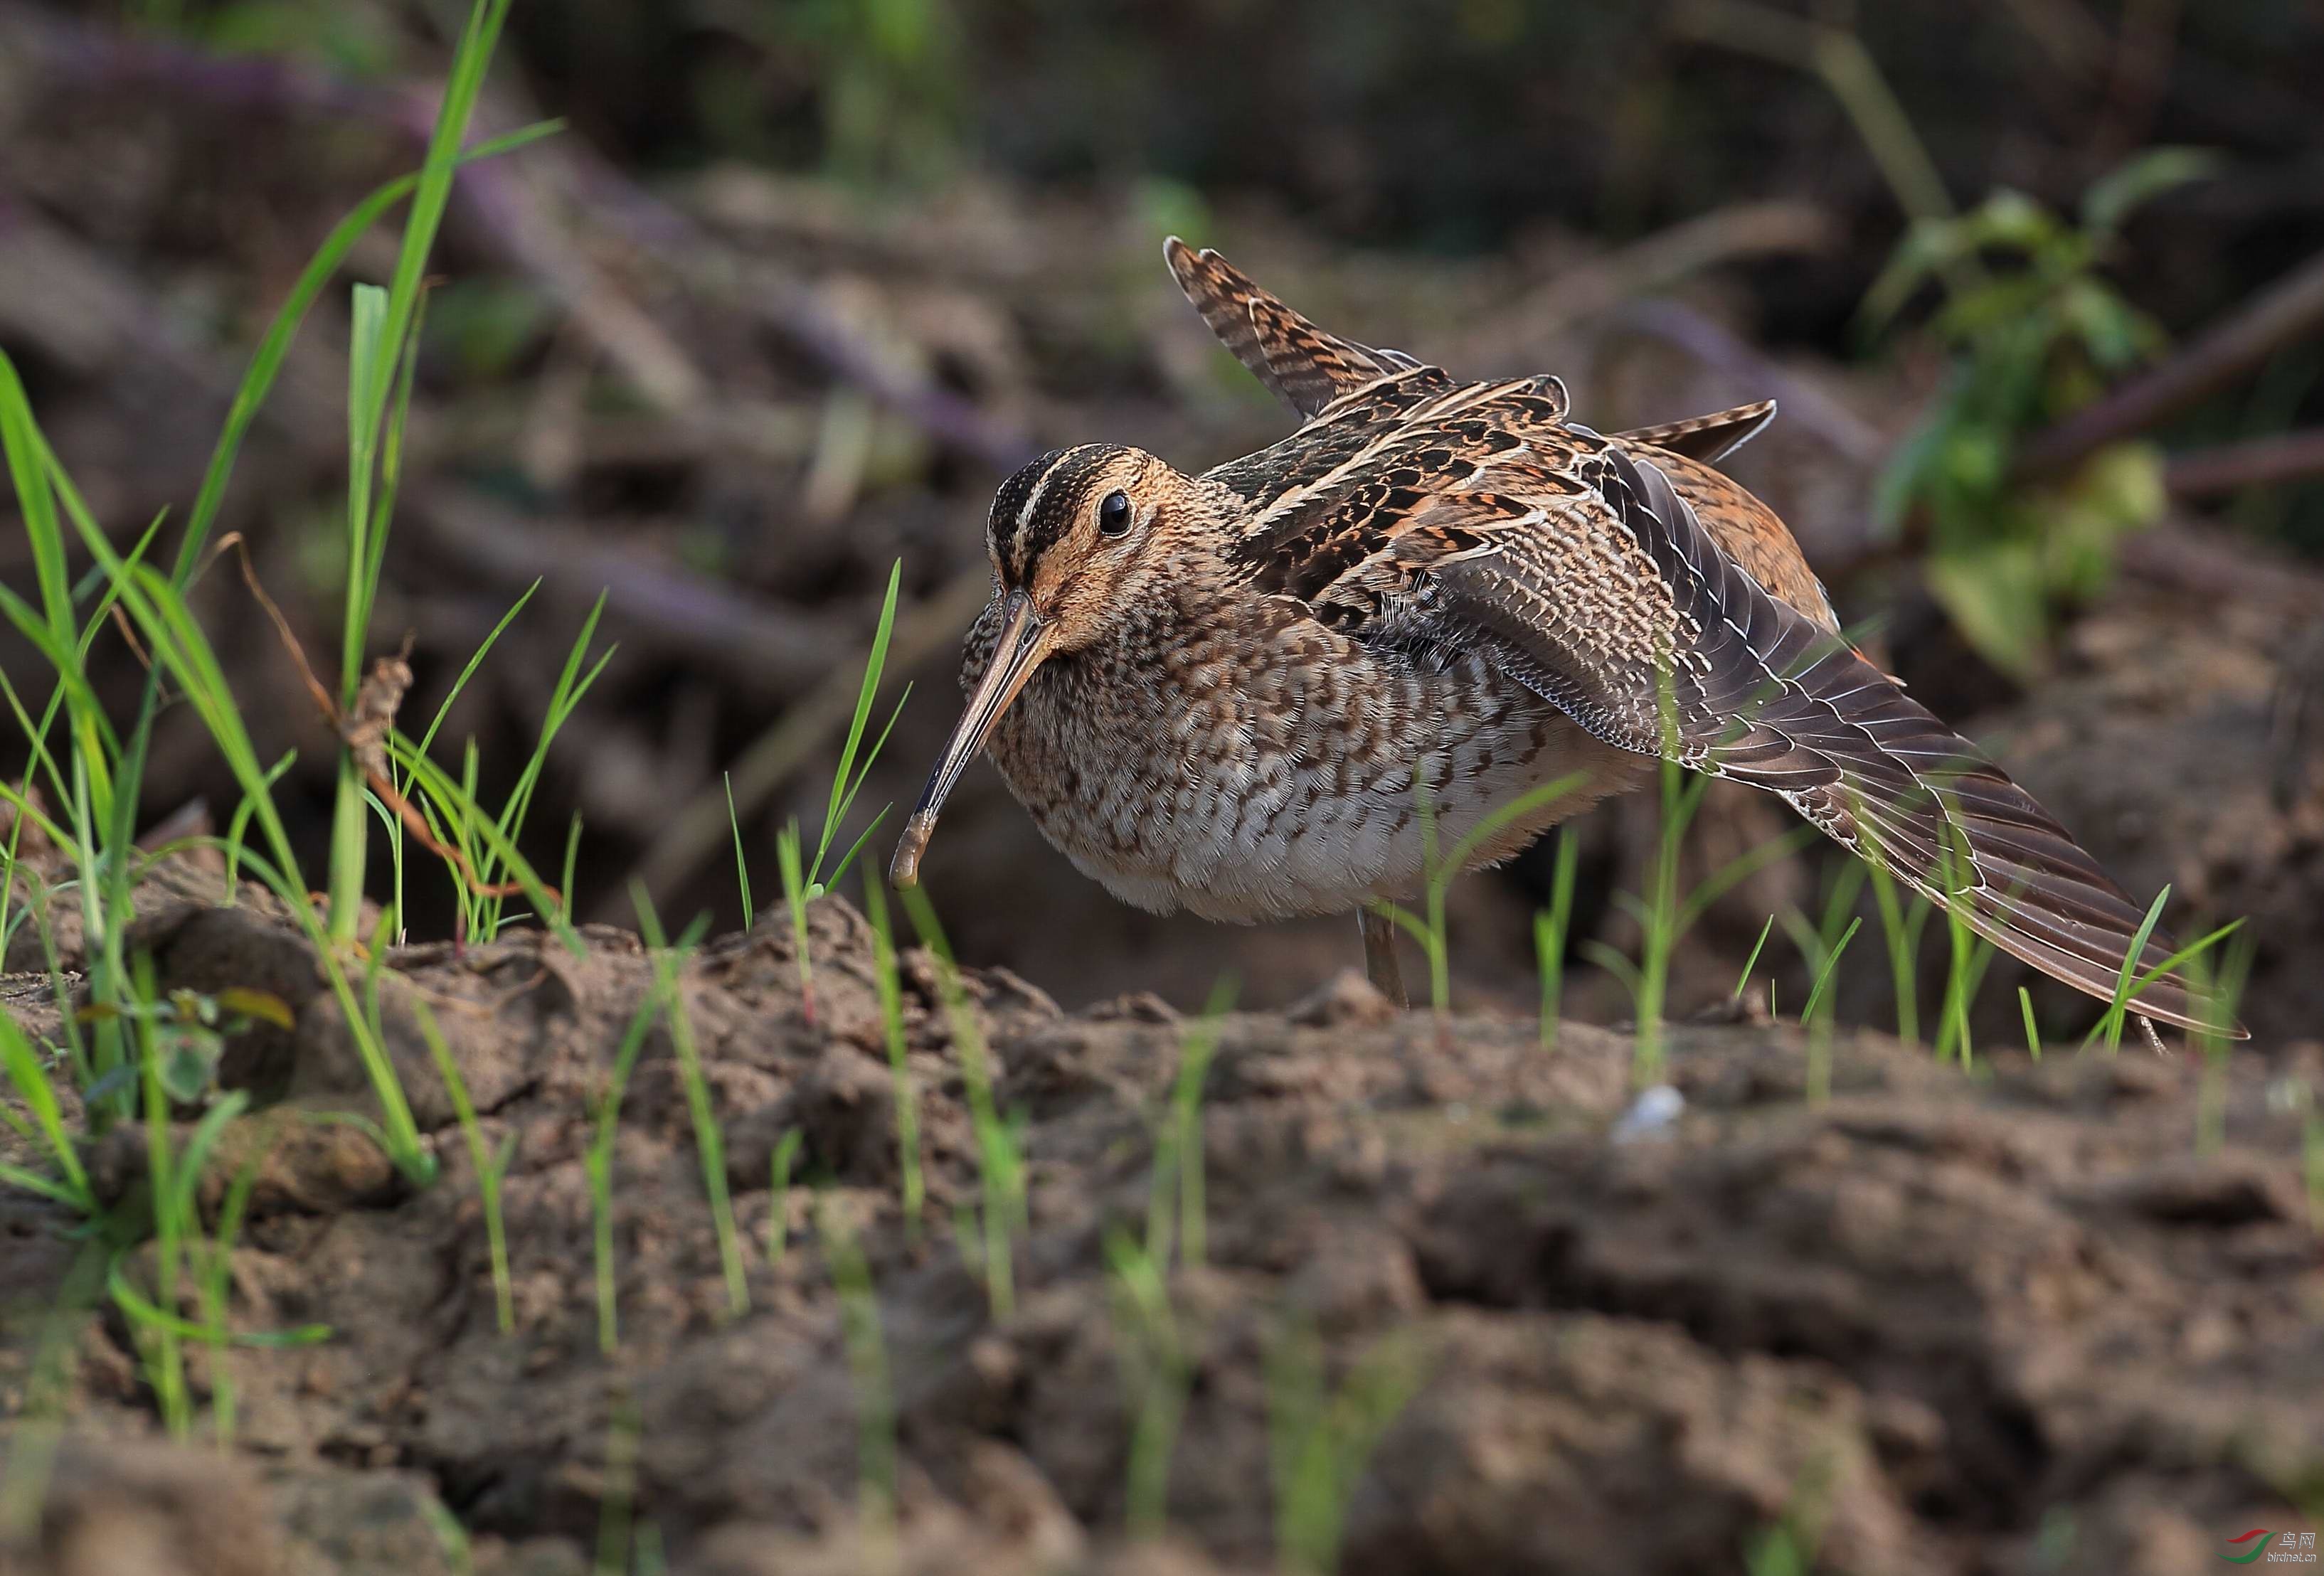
2038	283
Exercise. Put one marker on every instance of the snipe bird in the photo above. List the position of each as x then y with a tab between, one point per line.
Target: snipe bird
1231	692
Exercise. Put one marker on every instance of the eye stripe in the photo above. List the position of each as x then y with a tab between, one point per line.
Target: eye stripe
1009	504
1038	506
1033	499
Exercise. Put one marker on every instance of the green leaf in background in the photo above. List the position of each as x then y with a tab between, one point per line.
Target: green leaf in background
2139	180
2033	332
1994	596
2115	492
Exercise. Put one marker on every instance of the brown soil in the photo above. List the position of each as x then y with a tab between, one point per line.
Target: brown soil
2007	1321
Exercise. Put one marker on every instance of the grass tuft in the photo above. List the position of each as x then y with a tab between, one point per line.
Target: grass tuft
875	1401
1156	1371
1427	929
709	1137
999	1218
1551	929
890	983
804	879
1318	1441
491	1168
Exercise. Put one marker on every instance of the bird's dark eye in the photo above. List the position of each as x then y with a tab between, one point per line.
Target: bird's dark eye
1113	513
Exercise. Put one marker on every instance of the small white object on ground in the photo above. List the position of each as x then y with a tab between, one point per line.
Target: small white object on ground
1651	1115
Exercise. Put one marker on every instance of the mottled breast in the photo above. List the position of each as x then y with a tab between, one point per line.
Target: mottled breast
1245	762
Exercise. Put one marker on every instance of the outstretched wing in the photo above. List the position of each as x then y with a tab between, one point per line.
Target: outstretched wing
1576	564
1306	366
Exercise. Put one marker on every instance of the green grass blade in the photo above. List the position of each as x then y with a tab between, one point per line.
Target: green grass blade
864	770
1831	967
742	864
476	661
29	1078
709	1137
266	361
839	871
145	1311
2110	1027
186	1173
437	784
464	1110
872	666
573	683
891	1017
433	193
1752	961
1503	817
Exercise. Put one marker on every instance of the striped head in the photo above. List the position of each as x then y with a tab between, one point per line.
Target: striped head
1083	532
1083	540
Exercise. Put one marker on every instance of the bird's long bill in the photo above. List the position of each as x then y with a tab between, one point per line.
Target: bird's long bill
1024	642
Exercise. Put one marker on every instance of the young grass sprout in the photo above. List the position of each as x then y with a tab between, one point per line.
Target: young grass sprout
875	1401
380	368
803	877
779	1193
490	1167
2032	1034
1743	980
1155	1372
709	1137
1318	1441
1000	1219
1901	928
1969	953
891	1021
2221	987
1427	929
1820	1025
1176	1210
597	1160
1551	928
742	864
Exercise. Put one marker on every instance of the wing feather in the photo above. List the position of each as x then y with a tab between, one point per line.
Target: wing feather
1306	366
1734	682
1663	608
1599	588
1707	440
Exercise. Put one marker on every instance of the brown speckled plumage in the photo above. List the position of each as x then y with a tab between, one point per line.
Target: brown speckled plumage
1222	692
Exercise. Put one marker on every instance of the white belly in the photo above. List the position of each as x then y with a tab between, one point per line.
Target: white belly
1257	833
1242	779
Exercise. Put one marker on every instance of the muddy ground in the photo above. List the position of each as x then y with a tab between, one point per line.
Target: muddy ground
2011	1320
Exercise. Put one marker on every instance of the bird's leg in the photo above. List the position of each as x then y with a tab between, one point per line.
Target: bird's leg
1380	956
